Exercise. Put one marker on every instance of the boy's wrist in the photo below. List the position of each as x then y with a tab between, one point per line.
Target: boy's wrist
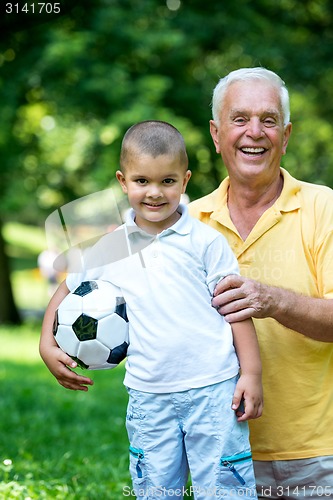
252	372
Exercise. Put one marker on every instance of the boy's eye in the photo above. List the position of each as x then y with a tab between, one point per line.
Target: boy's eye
168	181
141	181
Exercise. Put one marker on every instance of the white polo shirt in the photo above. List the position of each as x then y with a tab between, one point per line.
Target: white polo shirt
178	341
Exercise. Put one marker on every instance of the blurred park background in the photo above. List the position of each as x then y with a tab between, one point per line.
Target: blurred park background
71	83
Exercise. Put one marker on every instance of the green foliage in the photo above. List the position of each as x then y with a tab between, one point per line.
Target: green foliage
24	244
26	240
79	81
71	84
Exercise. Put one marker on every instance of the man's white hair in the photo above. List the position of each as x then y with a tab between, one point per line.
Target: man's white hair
246	74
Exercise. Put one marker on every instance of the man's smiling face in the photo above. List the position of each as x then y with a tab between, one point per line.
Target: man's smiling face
250	135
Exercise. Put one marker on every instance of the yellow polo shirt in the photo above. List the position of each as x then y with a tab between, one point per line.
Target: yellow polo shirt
291	246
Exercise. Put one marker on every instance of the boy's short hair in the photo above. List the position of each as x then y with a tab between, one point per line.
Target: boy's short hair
153	138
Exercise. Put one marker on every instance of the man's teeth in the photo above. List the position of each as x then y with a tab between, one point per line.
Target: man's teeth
253	150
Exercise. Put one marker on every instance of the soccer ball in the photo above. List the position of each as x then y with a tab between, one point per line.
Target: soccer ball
91	325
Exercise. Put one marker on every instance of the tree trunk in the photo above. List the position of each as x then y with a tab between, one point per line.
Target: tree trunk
8	310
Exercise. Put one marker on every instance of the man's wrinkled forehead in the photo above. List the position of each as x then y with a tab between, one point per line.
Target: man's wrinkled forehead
245	96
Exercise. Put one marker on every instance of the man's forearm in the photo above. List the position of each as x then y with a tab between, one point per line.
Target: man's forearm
309	316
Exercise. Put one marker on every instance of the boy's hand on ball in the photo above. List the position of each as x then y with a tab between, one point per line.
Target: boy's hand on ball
61	366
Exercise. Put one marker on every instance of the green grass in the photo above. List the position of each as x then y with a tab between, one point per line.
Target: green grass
56	443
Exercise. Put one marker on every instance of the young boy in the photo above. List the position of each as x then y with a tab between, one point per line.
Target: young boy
185	394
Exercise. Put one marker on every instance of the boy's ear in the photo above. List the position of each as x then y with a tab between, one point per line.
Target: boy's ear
121	179
186	179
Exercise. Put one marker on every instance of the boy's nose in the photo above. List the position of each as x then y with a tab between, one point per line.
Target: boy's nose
154	191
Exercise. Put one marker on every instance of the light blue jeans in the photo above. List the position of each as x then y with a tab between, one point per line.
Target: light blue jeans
193	431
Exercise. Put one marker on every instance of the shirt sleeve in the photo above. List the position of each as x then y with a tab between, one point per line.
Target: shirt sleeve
220	261
324	263
73	280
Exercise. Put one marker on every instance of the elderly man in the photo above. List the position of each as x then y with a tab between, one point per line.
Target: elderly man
281	231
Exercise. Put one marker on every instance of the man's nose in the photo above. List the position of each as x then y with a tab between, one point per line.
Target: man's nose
255	128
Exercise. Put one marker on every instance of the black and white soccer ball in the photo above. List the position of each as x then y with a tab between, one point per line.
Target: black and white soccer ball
91	325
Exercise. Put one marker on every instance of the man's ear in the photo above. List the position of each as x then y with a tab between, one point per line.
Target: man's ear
122	181
287	132
214	133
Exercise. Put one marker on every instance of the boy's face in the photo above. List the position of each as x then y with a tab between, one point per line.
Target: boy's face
154	186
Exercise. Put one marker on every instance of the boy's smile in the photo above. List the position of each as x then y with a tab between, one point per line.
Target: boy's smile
154	186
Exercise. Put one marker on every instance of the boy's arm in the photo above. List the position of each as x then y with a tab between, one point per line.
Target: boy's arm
55	359
249	386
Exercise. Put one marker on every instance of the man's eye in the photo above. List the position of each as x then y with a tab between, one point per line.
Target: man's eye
269	122
239	121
